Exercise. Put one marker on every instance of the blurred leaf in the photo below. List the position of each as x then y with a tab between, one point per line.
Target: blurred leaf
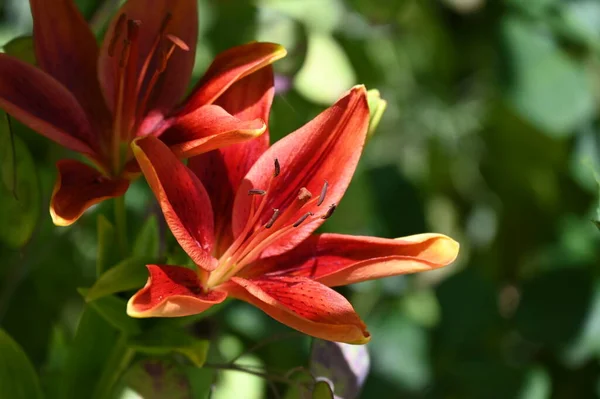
129	274
8	167
554	305
330	15
21	48
89	352
327	71
232	383
537	385
322	390
158	379
201	381
345	366
535	61
114	311
107	245
18	379
19	210
146	242
165	339
377	107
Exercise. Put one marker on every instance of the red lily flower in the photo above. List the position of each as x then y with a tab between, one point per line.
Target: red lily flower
96	101
259	245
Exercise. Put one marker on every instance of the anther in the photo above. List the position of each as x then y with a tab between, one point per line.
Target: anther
304	195
323	193
124	53
116	34
256	192
277	168
329	212
165	23
133	29
178	42
302	219
273	218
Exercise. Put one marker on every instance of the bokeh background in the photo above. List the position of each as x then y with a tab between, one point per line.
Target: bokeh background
491	136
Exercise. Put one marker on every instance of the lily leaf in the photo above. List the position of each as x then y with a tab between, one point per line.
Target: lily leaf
8	167
146	242
106	245
19	209
129	274
164	340
345	366
322	390
22	48
113	310
18	379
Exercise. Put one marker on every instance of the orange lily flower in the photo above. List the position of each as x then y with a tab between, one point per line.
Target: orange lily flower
248	226
97	100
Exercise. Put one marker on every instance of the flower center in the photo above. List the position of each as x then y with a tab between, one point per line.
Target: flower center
134	88
256	237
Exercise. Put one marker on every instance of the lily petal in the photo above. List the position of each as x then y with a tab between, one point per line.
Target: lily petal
206	129
337	259
325	149
79	186
182	198
172	291
304	305
229	67
221	171
43	104
66	48
182	17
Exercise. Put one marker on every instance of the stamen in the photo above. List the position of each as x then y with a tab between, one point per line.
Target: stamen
302	219
256	192
124	53
304	195
329	212
277	168
165	23
273	218
323	193
116	34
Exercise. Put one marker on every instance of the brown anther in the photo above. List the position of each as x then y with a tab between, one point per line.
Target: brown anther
273	218
302	219
329	212
178	42
133	29
323	193
116	34
165	23
277	168
256	192
304	195
124	53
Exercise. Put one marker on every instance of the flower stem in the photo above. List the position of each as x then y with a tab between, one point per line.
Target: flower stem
121	224
116	364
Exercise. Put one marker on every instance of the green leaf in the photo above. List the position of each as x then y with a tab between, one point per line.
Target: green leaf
554	305
159	378
107	245
114	311
146	242
164	339
535	60
322	390
18	379
19	209
377	107
89	352
8	169
129	274
327	72
21	48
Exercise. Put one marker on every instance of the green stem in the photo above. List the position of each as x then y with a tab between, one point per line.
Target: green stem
116	364
121	224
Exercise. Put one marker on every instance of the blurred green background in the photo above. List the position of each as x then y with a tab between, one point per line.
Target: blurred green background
491	136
